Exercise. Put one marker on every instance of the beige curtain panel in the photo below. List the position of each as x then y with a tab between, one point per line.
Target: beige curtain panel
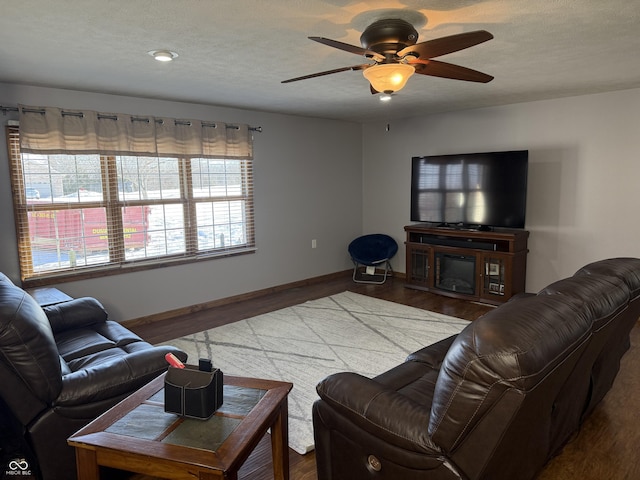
52	130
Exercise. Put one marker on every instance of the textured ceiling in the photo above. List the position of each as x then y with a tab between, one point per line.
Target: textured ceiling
235	53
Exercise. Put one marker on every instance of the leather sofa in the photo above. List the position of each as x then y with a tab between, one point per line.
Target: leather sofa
496	401
60	367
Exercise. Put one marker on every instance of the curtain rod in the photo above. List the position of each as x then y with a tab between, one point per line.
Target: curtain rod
140	119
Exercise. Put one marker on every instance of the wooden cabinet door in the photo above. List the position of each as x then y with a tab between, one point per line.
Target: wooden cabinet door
419	265
495	276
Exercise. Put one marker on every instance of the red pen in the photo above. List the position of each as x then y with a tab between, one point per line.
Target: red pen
173	360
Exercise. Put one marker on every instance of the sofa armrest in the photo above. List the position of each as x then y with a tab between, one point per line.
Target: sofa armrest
76	313
380	411
122	375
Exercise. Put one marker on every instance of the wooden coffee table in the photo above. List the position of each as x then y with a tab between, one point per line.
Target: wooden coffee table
137	435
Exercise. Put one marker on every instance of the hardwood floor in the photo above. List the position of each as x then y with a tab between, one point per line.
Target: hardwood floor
605	448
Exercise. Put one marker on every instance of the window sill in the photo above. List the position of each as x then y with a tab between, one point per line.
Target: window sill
107	270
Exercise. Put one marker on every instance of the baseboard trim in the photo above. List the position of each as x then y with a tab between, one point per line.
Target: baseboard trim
170	314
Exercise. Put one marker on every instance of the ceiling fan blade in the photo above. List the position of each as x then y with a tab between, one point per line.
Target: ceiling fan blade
442	46
449	70
348	48
327	72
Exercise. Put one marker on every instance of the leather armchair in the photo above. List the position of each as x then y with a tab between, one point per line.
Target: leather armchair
62	366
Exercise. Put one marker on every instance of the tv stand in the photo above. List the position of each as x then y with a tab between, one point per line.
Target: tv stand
487	265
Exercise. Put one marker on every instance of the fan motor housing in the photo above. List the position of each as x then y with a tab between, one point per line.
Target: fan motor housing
388	36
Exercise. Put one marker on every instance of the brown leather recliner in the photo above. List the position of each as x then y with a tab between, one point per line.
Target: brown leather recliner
61	367
496	401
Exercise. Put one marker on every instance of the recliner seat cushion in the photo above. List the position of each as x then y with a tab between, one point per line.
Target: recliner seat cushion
74	344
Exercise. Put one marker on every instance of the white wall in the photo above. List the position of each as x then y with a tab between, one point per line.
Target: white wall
308	185
584	171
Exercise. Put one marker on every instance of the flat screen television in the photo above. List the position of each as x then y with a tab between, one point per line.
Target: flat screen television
474	190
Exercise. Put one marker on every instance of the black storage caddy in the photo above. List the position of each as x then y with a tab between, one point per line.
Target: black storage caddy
193	393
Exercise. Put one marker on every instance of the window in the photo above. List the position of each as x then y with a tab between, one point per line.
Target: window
81	213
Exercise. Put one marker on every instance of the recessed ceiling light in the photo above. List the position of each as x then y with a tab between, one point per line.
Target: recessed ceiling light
163	55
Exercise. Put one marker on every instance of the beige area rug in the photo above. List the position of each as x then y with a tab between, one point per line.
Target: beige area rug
304	343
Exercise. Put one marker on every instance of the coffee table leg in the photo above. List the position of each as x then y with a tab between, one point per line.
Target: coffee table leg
87	464
280	443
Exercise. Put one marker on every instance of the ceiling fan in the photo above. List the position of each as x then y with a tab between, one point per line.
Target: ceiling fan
391	44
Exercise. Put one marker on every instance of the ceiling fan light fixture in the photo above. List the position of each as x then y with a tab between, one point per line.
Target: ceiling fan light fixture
163	55
388	77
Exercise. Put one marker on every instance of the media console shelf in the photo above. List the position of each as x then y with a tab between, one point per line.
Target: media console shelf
487	266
